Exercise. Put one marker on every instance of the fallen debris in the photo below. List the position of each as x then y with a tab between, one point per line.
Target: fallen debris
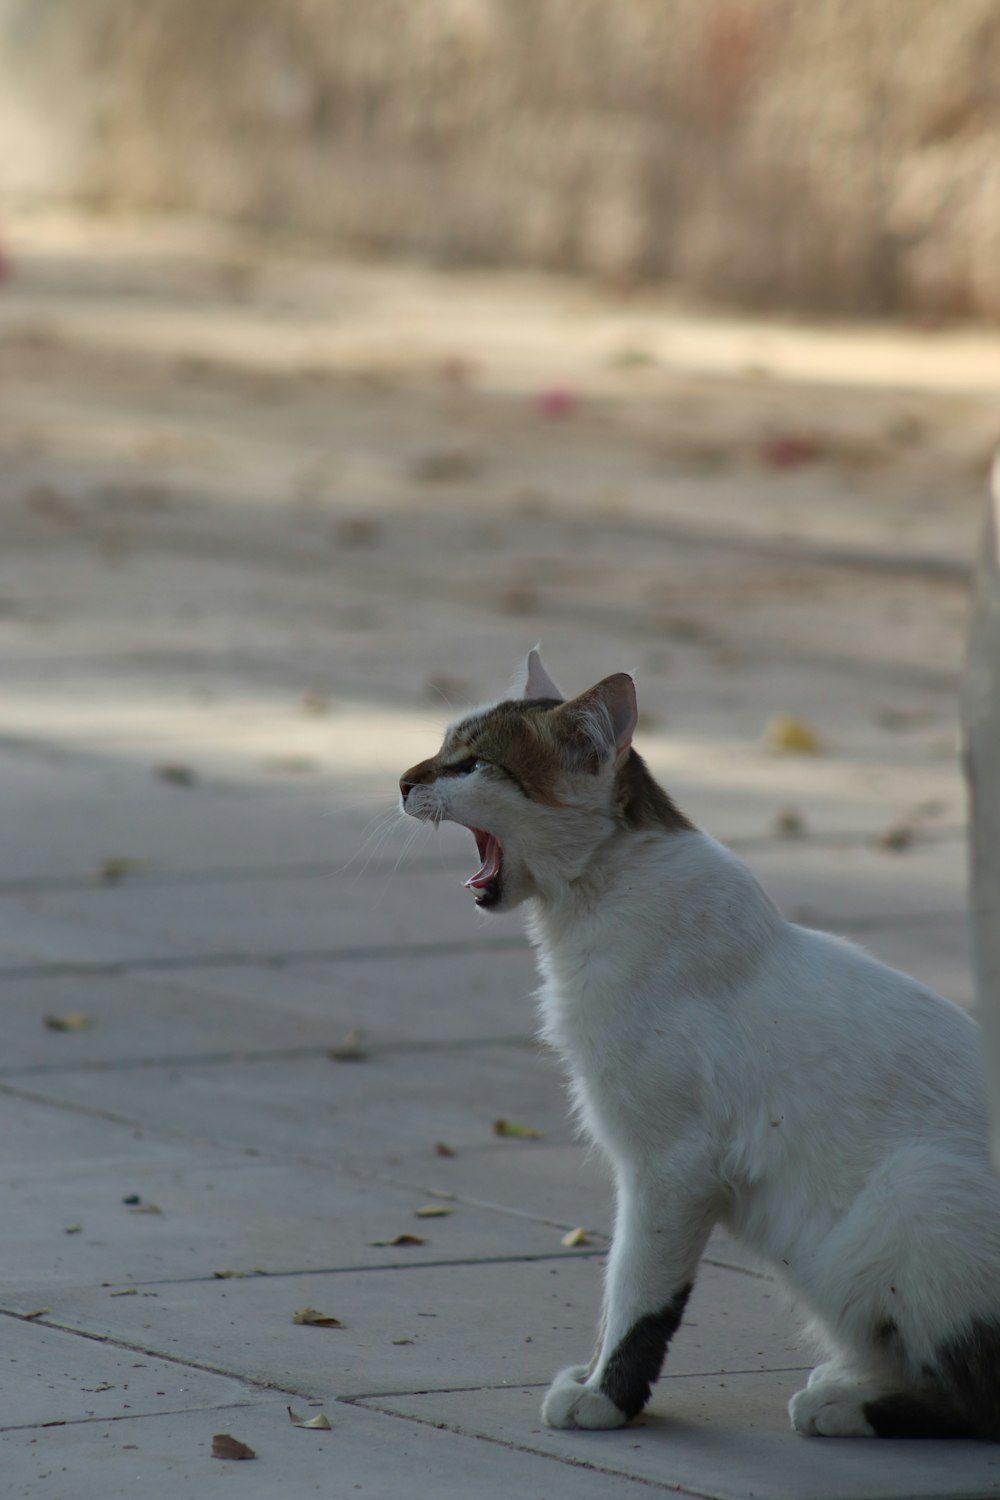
511	1128
224	1445
313	1318
318	1423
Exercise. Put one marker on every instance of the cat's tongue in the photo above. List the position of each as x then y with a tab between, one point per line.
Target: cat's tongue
491	855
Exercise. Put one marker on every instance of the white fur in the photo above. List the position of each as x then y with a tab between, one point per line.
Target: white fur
570	1402
739	1069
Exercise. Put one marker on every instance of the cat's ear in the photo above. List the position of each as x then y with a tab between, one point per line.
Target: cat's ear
601	722
532	680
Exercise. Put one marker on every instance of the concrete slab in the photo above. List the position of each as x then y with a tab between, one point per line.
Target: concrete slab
863	886
55	1376
70	1219
312	916
568	1185
313	1109
287	914
71	809
243	1010
412	1327
724	1437
935	950
366	1452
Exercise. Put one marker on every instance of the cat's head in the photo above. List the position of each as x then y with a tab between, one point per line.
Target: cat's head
541	783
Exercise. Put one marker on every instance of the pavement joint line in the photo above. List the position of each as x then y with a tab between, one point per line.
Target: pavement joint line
663	1487
730	1265
521	1213
258	1055
139	1128
359	1399
526	1257
71	1106
543	1385
897	922
164	963
155	1129
448	1196
131	1416
319	870
834	839
178	962
112	1341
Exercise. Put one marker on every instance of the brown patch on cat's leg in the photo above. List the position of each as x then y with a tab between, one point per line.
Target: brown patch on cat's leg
637	1361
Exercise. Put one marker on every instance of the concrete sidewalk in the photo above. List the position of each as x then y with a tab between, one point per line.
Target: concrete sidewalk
235	606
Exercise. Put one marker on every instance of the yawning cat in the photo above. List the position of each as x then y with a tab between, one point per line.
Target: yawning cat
736	1069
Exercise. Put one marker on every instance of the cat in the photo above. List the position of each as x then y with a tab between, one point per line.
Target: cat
739	1070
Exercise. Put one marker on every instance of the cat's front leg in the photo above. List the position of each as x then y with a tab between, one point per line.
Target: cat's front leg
659	1238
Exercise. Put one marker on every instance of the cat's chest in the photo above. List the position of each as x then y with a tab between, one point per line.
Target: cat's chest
609	1021
628	1033
585	1000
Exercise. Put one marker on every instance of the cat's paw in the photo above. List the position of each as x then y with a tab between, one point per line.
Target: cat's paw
572	1402
827	1410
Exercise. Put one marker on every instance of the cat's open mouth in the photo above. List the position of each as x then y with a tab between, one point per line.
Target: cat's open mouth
487	882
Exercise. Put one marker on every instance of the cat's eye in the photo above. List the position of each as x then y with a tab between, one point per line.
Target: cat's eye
466	767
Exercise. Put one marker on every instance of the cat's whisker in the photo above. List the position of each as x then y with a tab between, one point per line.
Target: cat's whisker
377	833
435	687
412	834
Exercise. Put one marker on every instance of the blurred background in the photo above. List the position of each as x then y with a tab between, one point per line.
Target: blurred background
347	350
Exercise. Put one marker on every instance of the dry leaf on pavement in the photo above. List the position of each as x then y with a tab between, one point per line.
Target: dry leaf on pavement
315	1319
401	1239
895	838
116	867
434	1211
176	775
575	1237
75	1020
509	1127
351	1049
318	1423
788	823
224	1445
784	734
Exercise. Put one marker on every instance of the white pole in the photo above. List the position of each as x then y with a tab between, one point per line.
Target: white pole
981	724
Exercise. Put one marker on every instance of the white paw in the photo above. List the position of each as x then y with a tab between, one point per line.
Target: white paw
571	1402
826	1410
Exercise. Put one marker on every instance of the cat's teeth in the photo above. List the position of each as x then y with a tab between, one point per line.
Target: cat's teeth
491	855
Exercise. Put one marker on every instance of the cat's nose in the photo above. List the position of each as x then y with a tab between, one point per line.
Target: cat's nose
414	776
